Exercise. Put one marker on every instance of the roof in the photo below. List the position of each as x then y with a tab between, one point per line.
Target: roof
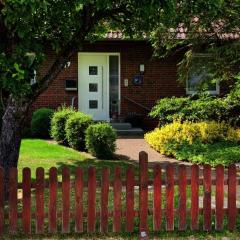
118	35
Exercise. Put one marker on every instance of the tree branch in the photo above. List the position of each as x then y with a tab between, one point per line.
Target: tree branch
90	21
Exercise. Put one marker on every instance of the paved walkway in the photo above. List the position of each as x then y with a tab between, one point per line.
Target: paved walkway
129	148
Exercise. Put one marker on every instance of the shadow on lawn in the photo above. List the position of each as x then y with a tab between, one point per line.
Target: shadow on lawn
119	161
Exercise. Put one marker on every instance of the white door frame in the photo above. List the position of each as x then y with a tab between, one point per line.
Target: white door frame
119	77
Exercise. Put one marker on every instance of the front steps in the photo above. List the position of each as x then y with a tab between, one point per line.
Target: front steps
126	129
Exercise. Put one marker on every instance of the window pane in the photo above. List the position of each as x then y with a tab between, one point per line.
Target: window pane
93	87
93	70
201	82
93	104
199	76
114	83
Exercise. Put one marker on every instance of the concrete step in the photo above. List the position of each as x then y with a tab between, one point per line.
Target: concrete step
121	126
130	132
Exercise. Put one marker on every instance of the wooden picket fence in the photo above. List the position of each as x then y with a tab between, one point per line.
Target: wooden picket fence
45	217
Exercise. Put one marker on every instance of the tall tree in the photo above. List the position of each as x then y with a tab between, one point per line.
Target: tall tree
27	26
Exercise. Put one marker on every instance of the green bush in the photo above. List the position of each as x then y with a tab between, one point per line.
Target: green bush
41	121
58	124
191	141
101	140
75	128
205	108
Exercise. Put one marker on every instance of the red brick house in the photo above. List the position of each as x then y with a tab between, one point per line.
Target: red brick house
114	78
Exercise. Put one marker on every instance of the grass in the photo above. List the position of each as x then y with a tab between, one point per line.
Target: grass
36	153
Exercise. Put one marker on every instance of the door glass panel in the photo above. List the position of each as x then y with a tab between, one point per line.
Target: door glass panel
114	84
93	87
93	104
93	70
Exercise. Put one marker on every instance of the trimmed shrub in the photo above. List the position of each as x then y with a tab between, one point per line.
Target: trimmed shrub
41	121
168	139
58	124
199	108
101	140
75	128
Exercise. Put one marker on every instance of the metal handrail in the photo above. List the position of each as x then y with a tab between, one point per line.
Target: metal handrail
138	104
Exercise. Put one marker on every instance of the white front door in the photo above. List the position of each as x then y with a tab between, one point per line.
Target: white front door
93	85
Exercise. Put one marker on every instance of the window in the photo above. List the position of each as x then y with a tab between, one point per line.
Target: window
199	79
114	84
93	70
93	104
93	87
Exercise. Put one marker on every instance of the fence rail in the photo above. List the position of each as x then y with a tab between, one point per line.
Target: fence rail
170	200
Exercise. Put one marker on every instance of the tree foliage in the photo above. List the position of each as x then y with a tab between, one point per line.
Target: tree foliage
210	27
27	26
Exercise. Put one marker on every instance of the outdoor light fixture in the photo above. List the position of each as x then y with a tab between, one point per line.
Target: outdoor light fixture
142	68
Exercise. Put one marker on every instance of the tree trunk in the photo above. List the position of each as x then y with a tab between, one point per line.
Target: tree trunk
10	135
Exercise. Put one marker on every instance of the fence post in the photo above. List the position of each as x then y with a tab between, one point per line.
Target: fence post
53	185
207	209
65	199
79	200
232	210
13	187
182	178
26	212
194	196
117	190
40	184
169	197
1	201
91	218
157	198
219	197
143	195
104	200
130	199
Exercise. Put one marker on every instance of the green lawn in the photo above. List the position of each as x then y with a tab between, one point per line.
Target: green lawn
36	153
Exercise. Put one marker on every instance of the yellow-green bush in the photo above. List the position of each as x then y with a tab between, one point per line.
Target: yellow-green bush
169	137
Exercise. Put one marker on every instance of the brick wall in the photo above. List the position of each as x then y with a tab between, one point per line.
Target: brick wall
160	77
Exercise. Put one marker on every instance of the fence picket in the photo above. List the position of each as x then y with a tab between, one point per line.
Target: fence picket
91	200
219	197
207	182
52	218
157	199
13	188
169	198
130	199
1	201
117	191
65	200
104	200
26	211
232	213
182	198
79	200
143	194
40	200
194	197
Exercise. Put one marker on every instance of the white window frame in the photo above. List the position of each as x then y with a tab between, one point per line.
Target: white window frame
212	92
